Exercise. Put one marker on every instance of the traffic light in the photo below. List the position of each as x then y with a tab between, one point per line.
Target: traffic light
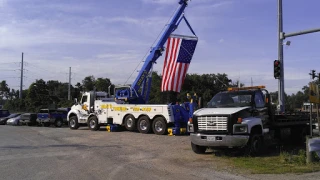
277	69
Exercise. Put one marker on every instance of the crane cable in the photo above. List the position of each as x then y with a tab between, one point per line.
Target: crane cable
152	45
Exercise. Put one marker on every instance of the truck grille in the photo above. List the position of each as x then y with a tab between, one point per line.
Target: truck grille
214	123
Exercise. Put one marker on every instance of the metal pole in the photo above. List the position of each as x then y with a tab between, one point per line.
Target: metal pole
280	58
69	83
318	120
309	158
310	119
301	32
21	78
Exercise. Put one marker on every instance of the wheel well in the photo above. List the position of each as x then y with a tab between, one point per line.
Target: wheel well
256	130
158	116
71	115
145	116
91	115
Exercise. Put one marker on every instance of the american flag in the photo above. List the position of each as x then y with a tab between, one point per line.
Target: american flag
179	53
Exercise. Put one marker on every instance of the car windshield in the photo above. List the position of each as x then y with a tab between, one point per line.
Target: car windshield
230	99
13	115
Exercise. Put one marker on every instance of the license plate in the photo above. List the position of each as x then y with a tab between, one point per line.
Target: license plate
211	138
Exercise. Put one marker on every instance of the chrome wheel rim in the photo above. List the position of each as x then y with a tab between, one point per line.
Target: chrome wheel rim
92	124
143	125
59	123
158	126
72	123
129	122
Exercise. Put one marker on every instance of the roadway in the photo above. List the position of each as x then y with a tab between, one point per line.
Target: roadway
60	153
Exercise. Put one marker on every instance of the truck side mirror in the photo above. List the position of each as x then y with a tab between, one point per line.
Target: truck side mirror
75	101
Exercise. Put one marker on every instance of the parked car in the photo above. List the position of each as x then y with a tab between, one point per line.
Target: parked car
14	121
3	120
58	117
29	119
4	113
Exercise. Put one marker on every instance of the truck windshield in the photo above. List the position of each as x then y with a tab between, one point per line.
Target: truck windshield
230	99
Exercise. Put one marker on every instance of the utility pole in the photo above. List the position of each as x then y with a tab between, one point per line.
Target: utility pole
281	37
280	58
21	78
69	87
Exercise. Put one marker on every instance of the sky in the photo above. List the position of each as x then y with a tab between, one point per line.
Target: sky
110	38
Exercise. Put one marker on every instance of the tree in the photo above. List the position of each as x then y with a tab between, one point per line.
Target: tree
4	90
38	95
205	86
102	84
88	83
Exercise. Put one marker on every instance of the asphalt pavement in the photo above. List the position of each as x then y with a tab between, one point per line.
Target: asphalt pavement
60	153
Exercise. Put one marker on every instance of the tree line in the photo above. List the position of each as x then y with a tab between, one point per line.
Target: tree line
53	93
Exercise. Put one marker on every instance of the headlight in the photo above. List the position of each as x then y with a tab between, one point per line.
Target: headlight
240	128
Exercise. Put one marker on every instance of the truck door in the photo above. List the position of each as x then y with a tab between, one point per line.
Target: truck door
260	106
84	104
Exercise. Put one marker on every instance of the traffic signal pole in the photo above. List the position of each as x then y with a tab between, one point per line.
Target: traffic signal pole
281	37
281	98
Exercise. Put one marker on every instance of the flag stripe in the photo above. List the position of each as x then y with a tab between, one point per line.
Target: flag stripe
175	48
179	53
170	49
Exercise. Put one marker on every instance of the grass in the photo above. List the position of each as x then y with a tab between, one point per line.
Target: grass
283	162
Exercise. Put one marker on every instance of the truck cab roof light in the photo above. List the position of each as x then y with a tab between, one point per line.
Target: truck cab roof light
245	88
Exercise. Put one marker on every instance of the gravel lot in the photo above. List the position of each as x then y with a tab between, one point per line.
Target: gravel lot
61	153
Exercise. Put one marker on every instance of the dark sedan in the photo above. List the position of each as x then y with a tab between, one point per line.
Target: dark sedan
4	120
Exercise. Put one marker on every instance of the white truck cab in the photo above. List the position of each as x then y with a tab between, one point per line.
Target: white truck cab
232	119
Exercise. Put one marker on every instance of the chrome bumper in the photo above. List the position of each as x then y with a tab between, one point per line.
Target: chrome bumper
219	140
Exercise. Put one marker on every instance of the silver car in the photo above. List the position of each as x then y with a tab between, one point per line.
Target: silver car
14	121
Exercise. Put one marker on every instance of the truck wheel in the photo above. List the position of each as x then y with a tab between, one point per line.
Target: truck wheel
159	126
254	146
58	123
144	125
73	122
298	134
93	123
198	149
130	123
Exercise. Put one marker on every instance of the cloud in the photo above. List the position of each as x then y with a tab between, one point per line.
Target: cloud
3	3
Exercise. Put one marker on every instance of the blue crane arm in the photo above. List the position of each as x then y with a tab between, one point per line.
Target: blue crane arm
155	53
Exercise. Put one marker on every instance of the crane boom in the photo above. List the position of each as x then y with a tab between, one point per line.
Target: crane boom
132	94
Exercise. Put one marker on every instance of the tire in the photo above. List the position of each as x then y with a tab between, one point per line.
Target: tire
298	134
46	124
198	149
93	123
159	126
254	146
130	123
73	123
144	125
58	123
